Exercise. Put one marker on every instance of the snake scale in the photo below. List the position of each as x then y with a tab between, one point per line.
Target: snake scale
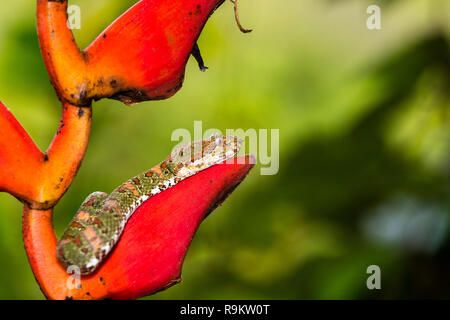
101	219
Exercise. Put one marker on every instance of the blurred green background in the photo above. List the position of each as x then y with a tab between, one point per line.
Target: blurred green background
364	123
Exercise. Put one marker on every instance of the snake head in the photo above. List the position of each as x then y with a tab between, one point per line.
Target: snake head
193	157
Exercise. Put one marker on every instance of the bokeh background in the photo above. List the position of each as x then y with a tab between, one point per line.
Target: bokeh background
364	123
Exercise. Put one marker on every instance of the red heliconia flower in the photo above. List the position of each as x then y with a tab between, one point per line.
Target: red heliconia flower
38	178
141	56
150	253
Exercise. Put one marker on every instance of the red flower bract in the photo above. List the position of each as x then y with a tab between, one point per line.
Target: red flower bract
140	56
150	253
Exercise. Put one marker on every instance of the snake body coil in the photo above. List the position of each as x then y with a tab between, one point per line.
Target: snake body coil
101	219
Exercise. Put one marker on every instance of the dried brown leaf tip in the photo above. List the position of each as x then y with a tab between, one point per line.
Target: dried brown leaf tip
236	16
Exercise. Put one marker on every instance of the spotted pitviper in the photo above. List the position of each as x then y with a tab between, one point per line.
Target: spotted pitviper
101	219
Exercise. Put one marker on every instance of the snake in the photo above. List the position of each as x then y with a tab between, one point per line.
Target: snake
100	221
